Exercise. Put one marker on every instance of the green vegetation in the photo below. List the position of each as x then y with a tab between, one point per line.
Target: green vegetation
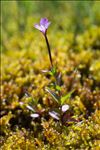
26	87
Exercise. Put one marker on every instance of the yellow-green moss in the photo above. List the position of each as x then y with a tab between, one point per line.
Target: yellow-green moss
21	73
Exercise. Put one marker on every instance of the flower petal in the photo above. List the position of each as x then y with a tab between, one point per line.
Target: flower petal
43	21
38	27
43	29
47	25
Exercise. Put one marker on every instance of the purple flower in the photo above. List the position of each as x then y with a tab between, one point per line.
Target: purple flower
43	26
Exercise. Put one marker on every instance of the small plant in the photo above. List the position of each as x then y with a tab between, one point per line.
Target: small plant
54	89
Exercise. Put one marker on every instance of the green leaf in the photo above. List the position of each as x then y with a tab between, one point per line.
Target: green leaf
53	71
54	95
67	96
58	88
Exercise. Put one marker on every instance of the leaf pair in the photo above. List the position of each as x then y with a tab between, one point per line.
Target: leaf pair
58	99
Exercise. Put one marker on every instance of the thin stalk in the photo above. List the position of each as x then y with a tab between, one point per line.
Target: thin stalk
49	51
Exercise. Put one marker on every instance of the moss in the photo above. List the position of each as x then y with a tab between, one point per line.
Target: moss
21	76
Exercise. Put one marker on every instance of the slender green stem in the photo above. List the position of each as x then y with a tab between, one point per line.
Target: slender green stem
49	51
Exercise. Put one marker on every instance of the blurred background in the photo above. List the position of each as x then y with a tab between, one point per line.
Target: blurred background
18	17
